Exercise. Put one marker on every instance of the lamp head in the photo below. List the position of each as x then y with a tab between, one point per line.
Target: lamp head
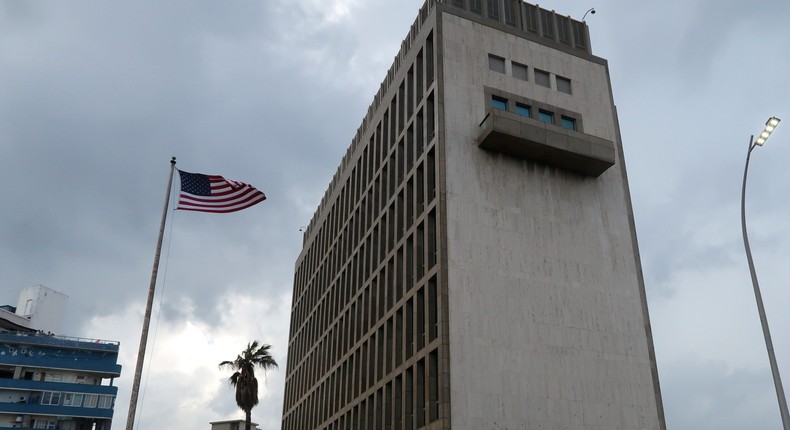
770	125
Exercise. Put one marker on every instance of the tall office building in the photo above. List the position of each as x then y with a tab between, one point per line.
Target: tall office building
473	263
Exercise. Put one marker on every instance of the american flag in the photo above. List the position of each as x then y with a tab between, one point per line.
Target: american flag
212	193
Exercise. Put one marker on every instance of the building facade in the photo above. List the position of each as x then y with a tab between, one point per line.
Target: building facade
473	263
38	307
231	425
49	381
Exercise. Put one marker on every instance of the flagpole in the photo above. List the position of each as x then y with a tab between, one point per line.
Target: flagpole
149	304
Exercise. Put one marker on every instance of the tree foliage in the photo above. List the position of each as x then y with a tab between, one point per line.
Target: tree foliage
255	355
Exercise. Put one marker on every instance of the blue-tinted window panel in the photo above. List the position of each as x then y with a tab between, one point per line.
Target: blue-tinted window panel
523	110
568	123
546	116
498	103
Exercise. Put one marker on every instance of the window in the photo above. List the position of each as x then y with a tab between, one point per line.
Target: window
564	30
498	103
50	398
546	116
510	12
53	377
579	37
519	71
542	78
105	402
563	85
474	6
458	3
90	400
547	20
532	18
68	399
568	122
496	64
493	9
523	110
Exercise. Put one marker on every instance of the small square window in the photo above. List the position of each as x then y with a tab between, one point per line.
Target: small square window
498	103
563	85
519	71
523	110
542	78
497	64
546	116
568	122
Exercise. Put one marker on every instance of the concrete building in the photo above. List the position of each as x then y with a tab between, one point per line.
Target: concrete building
38	308
231	425
50	381
473	263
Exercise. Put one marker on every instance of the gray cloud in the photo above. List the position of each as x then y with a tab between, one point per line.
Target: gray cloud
96	97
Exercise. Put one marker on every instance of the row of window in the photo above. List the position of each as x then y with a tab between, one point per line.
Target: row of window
77	400
413	325
62	423
525	110
50	424
364	304
409	400
401	216
363	291
70	378
521	71
531	19
411	93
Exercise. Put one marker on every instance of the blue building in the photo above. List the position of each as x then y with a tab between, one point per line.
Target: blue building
50	381
56	382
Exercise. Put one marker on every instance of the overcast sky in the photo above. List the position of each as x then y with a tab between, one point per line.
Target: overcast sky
96	96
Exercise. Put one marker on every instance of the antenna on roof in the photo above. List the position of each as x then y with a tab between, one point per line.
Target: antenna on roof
591	11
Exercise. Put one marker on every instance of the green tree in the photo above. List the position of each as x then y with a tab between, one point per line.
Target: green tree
243	377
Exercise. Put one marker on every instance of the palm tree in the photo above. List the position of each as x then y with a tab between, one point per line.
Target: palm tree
243	377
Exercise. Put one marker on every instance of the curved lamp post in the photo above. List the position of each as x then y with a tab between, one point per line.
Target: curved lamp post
780	394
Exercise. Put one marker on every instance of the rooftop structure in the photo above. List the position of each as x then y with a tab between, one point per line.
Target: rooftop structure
231	425
38	308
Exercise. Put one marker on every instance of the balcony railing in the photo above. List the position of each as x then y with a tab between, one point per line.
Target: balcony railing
58	340
530	139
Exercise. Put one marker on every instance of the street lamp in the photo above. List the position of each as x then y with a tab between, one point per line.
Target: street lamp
780	393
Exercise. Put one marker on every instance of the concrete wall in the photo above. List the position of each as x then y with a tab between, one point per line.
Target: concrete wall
44	307
546	324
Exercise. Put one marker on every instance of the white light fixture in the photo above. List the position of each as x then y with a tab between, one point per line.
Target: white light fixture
769	345
769	128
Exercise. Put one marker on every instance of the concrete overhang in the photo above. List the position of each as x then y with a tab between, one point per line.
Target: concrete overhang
534	140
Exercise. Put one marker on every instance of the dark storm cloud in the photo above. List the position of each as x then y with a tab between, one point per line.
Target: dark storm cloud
101	97
96	96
